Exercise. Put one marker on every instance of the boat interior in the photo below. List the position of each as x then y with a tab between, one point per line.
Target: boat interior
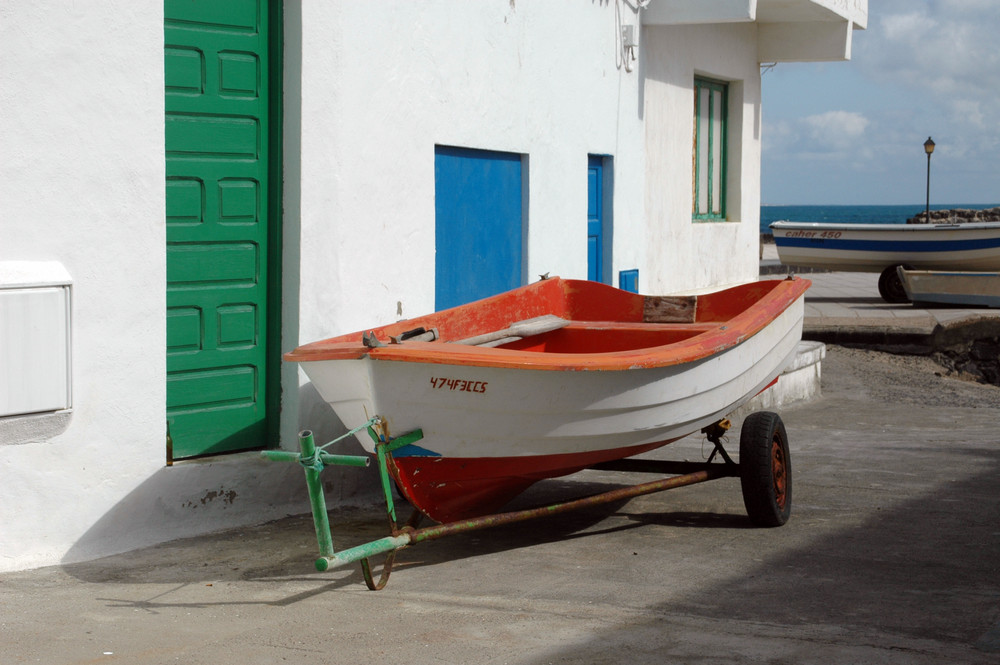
560	317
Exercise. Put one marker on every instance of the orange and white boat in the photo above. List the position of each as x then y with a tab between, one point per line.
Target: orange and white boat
551	378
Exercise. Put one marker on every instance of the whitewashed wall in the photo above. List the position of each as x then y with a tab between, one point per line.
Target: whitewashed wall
687	256
82	183
381	89
370	89
540	79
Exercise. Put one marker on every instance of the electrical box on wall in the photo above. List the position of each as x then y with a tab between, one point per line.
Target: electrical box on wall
628	37
35	341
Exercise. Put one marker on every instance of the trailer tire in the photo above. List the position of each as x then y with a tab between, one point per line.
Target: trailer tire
765	469
890	287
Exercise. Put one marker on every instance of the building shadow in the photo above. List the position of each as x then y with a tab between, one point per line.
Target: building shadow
924	572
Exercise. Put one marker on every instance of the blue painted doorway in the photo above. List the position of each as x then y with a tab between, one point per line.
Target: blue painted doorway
478	224
595	218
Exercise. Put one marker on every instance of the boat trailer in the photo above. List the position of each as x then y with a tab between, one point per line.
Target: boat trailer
764	471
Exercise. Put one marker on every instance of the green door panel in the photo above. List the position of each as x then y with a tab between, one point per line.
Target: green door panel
217	136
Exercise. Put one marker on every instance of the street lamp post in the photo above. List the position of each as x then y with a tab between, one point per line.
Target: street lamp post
928	148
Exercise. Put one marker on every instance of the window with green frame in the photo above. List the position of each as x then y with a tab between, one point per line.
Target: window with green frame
710	98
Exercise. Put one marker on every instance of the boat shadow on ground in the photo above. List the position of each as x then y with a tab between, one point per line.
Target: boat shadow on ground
590	523
284	551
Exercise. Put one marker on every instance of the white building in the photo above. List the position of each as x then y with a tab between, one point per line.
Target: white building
311	152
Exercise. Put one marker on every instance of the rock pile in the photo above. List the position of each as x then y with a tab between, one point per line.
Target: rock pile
978	360
957	216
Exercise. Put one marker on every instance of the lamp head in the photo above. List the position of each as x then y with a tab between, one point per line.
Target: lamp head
928	146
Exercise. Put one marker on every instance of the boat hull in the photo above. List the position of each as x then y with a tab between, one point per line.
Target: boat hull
448	489
874	247
970	289
491	430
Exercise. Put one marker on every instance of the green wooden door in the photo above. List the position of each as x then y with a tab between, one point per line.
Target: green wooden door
218	151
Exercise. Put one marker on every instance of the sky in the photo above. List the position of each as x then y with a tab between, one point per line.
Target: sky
853	132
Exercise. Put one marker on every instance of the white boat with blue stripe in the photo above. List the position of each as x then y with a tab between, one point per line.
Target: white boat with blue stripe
882	247
873	247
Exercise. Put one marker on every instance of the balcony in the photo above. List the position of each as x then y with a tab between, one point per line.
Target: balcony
788	30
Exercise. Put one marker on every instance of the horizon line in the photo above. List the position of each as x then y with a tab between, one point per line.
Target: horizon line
922	206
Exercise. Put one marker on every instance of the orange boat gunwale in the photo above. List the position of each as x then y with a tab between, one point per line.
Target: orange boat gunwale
718	321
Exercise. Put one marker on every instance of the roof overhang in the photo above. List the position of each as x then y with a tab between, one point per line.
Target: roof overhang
788	30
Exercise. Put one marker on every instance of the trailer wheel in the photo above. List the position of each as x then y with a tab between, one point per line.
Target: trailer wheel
765	469
890	287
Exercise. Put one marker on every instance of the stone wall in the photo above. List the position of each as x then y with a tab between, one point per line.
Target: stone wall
957	216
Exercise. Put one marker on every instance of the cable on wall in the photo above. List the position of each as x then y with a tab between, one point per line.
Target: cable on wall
627	35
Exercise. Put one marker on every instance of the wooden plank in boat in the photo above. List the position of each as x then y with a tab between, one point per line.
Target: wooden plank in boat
669	309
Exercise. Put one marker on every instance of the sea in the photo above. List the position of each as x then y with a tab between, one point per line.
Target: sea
847	214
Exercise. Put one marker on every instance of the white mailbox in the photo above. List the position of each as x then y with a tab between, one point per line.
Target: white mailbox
35	342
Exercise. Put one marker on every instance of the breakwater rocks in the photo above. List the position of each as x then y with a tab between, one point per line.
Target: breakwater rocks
957	216
978	360
966	348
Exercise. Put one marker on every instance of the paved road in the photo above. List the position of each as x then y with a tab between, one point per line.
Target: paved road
892	555
852	298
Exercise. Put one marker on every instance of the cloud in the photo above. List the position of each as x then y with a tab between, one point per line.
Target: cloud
972	111
819	137
836	130
923	67
942	51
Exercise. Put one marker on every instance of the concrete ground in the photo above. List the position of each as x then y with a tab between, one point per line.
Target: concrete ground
853	296
850	301
892	555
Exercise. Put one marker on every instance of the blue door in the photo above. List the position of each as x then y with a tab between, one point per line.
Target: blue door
595	218
478	224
